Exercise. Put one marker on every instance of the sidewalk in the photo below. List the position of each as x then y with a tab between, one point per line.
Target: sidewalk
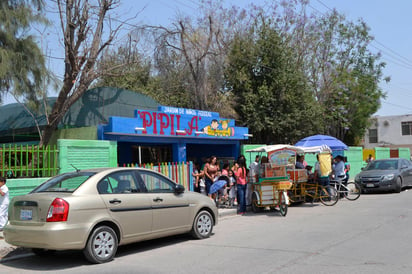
10	252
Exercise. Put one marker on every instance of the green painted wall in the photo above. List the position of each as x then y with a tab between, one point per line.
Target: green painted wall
85	154
355	159
405	153
250	156
23	186
382	153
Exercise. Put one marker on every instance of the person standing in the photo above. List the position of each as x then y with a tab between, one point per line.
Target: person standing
322	170
253	178
197	175
210	172
370	159
339	168
347	169
232	188
240	171
4	202
254	168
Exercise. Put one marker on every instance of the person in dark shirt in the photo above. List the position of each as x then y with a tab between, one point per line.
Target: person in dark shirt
299	162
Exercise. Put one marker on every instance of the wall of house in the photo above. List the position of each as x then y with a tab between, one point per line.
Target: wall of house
389	132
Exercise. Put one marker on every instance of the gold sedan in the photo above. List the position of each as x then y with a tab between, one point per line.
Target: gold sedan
97	210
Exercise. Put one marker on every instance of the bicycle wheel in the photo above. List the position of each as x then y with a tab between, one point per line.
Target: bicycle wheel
283	206
328	195
353	191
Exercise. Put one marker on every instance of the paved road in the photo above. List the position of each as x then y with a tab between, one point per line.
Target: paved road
370	235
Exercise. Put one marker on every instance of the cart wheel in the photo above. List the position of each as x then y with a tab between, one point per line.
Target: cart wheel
255	206
283	206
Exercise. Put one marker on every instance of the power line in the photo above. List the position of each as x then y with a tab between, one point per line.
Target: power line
396	105
407	63
323	4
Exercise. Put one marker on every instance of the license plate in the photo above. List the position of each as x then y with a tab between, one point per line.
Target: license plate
26	214
370	185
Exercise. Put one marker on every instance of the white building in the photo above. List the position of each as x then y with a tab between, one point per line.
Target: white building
389	131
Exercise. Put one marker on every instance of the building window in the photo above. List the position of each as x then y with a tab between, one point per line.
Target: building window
373	136
406	128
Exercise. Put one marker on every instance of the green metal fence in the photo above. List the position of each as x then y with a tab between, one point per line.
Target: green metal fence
17	161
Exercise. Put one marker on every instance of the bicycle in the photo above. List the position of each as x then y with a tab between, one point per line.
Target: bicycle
350	191
327	195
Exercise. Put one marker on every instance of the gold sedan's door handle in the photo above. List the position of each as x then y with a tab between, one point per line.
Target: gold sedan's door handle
157	199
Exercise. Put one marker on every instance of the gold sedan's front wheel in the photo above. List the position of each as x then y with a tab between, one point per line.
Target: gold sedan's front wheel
101	246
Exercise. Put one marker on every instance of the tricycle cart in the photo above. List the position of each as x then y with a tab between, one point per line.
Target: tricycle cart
281	176
270	190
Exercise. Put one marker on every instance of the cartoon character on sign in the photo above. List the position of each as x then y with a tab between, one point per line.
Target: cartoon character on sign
212	128
226	130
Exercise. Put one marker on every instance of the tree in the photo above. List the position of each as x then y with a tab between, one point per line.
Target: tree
22	65
348	76
272	97
187	66
166	88
343	73
84	39
193	52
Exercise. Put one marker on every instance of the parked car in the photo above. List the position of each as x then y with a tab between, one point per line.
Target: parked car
385	175
97	210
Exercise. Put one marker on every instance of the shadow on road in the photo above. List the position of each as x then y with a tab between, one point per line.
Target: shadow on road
72	259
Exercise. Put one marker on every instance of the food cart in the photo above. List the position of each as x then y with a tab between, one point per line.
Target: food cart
279	183
271	183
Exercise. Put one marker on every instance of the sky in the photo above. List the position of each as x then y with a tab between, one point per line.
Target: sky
389	21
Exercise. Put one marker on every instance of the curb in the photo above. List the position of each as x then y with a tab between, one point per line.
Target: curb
227	212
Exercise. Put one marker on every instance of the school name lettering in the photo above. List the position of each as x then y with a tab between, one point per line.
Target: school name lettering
168	124
185	111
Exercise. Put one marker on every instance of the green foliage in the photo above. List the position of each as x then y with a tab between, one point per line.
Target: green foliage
349	75
287	74
272	96
22	69
126	68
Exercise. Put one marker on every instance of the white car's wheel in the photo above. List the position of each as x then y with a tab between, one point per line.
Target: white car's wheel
202	225
101	246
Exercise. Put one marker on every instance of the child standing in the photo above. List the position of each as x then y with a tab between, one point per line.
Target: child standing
4	202
232	188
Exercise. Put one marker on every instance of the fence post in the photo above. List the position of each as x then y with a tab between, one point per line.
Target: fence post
190	175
